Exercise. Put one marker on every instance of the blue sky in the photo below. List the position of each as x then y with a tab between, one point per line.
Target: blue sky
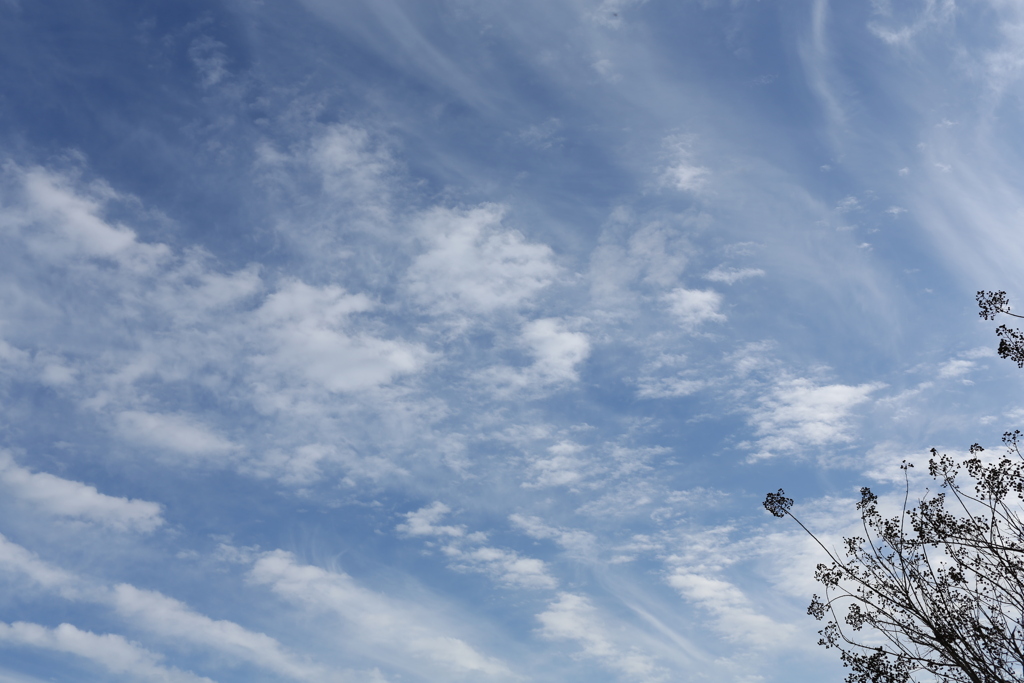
397	341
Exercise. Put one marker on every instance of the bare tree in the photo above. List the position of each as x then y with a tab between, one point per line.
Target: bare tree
935	592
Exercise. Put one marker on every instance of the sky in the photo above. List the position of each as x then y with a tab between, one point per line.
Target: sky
415	341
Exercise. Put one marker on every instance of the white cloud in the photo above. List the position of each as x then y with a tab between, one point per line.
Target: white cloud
542	135
639	544
573	617
395	630
474	265
932	14
797	413
683	176
732	275
695	306
955	368
345	156
661	379
58	222
465	553
752	358
13	356
505	566
681	173
305	329
668	387
560	468
207	55
625	499
734	615
980	352
655	255
179	433
306	464
8	676
659	252
194	290
53	371
848	204
606	69
337	181
306	321
171	619
577	542
283	347
557	350
177	622
14	559
423	522
111	651
56	496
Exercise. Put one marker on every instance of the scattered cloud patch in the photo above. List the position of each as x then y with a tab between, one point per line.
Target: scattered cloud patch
424	522
59	220
576	542
466	552
542	135
980	352
668	387
955	368
848	204
505	566
731	276
693	307
931	15
474	266
560	467
681	172
307	334
661	379
556	351
209	59
606	69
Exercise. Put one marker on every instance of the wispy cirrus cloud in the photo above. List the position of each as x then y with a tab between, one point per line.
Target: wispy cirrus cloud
111	651
469	552
574	618
798	413
173	621
61	497
384	623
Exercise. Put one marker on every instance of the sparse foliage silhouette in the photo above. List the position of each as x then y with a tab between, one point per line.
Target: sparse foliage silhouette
934	592
1011	341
